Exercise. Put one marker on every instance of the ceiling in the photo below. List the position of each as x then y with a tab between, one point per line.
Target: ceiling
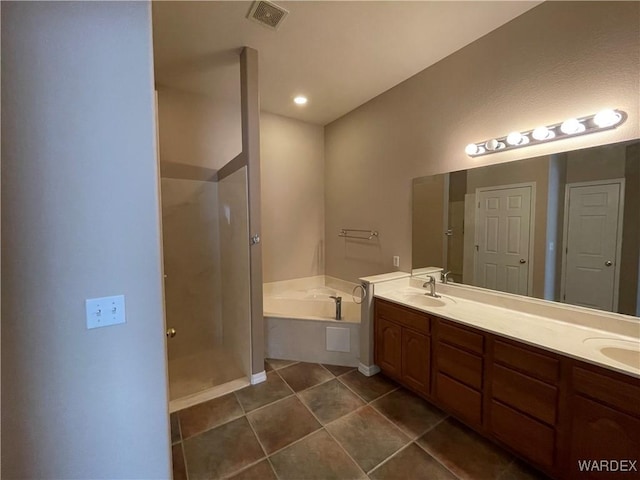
339	54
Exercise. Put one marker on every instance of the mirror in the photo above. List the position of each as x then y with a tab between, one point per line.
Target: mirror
563	227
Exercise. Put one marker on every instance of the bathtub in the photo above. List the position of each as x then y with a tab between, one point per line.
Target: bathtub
300	322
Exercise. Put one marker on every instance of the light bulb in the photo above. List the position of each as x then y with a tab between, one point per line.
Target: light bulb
471	149
571	126
300	100
493	145
543	133
516	138
607	118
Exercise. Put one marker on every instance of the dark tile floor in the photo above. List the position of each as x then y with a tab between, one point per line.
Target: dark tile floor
311	421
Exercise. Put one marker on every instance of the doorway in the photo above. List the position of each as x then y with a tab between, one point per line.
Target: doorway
207	286
593	240
504	236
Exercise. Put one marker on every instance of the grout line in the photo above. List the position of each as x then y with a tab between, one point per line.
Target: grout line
179	426
439	462
435	457
184	460
366	402
386	394
273	468
244	412
275	452
262	407
257	438
445	417
331	435
284	366
333	377
229	420
345	451
390	457
327	370
353	413
247	467
364	399
406	432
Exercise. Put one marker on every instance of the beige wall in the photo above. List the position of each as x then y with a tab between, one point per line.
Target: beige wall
558	60
80	219
292	156
596	164
196	130
629	300
428	204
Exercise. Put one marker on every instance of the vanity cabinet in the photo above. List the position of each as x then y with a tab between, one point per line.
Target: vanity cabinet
605	422
403	344
458	360
523	396
388	350
551	410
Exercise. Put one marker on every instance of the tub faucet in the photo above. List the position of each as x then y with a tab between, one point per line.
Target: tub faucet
338	301
431	283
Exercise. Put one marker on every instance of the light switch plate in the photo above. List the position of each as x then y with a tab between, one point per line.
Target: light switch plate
105	311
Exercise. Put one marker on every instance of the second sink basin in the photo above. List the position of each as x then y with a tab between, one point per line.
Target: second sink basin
622	355
622	351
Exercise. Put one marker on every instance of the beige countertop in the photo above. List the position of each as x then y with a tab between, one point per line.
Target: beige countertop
602	338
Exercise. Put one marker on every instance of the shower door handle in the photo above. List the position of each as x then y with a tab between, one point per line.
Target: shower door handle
254	240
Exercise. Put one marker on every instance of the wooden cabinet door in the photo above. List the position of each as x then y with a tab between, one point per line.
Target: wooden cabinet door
388	347
415	360
602	433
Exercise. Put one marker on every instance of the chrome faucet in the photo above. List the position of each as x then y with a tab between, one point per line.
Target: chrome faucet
431	283
338	301
444	276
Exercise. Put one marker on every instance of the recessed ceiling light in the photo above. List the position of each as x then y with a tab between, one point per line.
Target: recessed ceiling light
300	100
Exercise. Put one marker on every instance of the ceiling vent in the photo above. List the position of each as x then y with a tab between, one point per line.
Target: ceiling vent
267	13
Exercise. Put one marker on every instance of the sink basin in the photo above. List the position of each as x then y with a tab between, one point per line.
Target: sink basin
622	355
423	300
626	352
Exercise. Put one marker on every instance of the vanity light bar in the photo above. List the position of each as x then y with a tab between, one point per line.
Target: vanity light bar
604	120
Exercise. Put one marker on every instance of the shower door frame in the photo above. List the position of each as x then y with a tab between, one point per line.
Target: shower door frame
250	157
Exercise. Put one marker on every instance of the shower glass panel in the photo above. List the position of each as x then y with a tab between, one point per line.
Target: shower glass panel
206	282
235	284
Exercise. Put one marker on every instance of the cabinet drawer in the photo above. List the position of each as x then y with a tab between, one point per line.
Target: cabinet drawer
460	337
403	316
527	394
532	363
526	436
460	365
619	394
460	399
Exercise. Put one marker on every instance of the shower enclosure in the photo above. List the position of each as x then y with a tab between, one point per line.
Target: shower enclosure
207	283
213	273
